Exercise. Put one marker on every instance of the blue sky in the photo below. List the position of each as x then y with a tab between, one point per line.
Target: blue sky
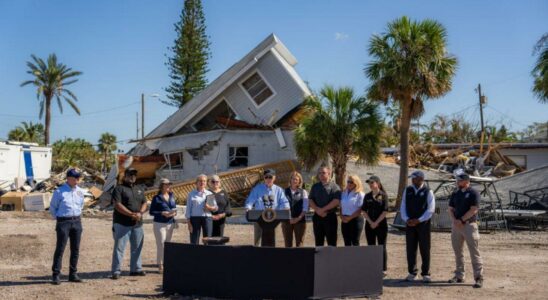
121	47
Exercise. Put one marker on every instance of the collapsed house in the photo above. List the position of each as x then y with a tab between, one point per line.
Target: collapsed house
243	118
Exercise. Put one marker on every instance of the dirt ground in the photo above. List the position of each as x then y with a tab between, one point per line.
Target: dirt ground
515	263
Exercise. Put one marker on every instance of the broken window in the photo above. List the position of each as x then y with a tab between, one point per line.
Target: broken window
216	118
257	88
238	156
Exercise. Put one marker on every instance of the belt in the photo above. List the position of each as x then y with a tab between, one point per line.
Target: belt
74	218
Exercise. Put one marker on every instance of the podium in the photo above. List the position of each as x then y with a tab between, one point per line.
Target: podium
248	272
268	237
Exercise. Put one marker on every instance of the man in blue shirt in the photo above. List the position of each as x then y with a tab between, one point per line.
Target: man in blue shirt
255	200
66	207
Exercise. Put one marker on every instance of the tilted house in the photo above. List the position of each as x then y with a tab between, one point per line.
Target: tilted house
243	118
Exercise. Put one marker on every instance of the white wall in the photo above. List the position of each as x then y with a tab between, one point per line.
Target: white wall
535	157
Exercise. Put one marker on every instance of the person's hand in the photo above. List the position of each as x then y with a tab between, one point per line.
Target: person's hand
293	221
321	212
166	214
374	225
458	224
189	227
215	217
411	223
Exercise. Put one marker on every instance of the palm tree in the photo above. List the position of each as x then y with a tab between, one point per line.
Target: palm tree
339	126
107	145
28	132
540	71
51	80
409	64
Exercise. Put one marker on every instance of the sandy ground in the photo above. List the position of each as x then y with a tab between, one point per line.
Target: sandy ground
515	263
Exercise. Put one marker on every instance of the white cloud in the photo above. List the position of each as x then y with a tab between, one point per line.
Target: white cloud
341	36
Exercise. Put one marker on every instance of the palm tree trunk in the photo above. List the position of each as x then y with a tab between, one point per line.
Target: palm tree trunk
339	168
48	120
404	149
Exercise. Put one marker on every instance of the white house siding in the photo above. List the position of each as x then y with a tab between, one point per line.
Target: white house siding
263	147
536	157
288	93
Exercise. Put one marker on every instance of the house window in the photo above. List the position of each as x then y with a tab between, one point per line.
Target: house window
238	156
257	88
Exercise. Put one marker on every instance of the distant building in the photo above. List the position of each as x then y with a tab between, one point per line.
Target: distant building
244	117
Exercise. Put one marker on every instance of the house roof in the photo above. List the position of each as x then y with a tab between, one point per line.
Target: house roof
182	116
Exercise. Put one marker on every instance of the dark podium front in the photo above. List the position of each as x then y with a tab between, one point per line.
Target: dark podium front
247	272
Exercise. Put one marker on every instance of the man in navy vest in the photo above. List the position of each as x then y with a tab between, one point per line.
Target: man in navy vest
417	206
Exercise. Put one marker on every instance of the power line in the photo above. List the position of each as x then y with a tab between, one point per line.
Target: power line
505	115
76	115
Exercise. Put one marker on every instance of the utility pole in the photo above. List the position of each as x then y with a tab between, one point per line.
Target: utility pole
137	123
482	101
142	116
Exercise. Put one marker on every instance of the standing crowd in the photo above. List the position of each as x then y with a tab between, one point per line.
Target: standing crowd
208	206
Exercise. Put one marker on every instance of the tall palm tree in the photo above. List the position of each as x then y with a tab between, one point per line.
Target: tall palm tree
540	71
51	80
107	145
409	64
340	125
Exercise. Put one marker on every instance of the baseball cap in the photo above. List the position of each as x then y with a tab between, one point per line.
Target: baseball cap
416	174
130	171
270	172
165	181
73	173
463	176
373	179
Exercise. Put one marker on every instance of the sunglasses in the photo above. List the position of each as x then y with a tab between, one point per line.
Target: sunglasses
350	182
268	177
215	181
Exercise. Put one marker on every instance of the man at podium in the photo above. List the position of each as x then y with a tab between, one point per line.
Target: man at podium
267	197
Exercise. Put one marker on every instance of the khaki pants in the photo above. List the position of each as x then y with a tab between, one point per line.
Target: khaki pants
469	233
289	230
257	233
163	233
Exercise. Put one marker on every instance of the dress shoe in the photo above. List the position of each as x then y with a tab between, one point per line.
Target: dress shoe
138	273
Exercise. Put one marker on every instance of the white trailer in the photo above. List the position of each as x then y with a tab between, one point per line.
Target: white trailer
23	161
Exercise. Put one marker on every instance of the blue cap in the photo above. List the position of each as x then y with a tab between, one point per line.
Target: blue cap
417	174
73	173
463	176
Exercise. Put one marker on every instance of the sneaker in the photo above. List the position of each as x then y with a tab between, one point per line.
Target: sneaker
479	283
115	276
384	274
426	279
56	280
455	280
75	278
138	273
160	268
411	277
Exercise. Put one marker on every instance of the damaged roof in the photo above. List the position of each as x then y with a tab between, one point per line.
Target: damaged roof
201	101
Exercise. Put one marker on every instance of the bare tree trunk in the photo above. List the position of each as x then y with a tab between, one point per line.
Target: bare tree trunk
48	120
404	150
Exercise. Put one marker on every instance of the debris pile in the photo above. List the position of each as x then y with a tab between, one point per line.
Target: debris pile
491	163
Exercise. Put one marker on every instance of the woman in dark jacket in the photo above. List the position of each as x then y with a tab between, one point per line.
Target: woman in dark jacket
223	203
298	201
163	208
375	208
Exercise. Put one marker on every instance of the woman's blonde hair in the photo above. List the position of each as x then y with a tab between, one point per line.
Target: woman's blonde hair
298	176
357	183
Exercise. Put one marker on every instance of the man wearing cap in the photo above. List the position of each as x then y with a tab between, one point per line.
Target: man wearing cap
417	206
129	206
66	207
463	211
279	201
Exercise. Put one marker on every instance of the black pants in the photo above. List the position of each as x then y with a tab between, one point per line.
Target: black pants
352	231
418	237
218	227
69	229
200	224
268	237
378	236
325	228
